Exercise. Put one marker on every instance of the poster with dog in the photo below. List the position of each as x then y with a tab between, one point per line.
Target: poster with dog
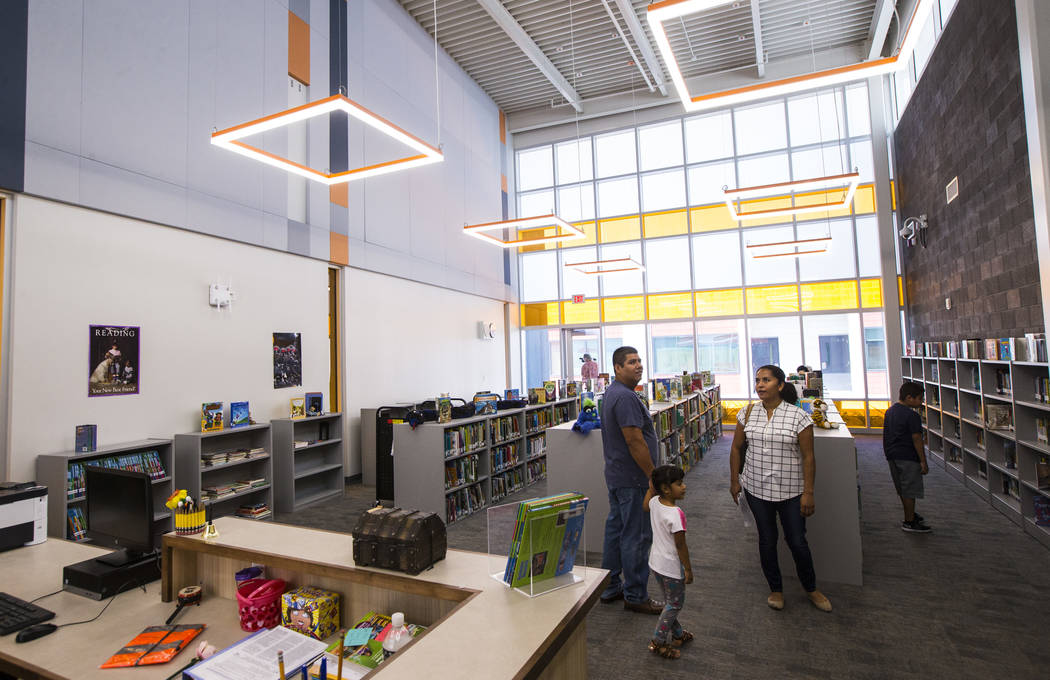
287	360
113	360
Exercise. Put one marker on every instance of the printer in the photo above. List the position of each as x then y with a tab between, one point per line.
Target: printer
23	514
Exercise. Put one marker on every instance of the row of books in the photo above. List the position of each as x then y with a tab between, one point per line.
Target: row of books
1041	426
222	457
464	439
254	510
77	523
999	417
1011	487
1010	455
507	483
459	504
1003	383
954	455
145	461
546	536
505	456
1042	390
537	420
562	413
219	491
1042	472
461	471
504	428
536	446
536	470
1032	347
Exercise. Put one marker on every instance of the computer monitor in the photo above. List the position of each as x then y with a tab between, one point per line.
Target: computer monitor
120	513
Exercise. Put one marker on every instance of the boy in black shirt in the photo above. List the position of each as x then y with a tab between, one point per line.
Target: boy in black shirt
902	444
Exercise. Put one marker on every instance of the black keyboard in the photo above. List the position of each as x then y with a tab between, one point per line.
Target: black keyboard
16	614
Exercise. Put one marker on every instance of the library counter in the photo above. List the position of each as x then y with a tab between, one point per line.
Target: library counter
477	627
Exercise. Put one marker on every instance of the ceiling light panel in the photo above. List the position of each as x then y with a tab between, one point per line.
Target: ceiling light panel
566	231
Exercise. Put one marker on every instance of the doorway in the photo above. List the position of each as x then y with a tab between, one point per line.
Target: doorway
834	361
583	356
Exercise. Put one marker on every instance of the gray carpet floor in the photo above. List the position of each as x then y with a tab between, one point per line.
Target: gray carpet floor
970	600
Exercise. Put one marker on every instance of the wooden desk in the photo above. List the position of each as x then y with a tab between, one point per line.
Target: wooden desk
478	627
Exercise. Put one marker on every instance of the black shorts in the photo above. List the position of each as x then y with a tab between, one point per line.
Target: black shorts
907	478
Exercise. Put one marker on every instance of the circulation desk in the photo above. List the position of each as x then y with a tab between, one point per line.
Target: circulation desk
477	627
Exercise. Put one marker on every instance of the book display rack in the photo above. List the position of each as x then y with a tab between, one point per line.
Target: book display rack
455	469
63	474
986	423
307	460
226	468
687	427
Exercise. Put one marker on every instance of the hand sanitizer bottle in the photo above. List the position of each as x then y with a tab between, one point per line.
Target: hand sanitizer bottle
398	635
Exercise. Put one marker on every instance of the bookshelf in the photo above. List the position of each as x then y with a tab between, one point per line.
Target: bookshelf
455	469
56	471
986	424
311	471
191	473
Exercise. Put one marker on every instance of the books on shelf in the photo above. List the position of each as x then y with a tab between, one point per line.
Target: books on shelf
464	439
1041	425
140	461
85	438
461	471
1041	390
254	511
1035	344
545	539
240	415
1011	488
444	409
1042	472
1010	455
77	523
550	390
463	502
1003	382
211	416
999	417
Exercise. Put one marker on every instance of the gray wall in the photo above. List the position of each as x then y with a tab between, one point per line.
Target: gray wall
966	119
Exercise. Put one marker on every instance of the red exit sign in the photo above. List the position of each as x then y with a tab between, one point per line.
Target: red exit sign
578	299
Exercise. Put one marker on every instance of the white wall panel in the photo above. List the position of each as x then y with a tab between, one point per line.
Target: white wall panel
51	172
111	188
53	74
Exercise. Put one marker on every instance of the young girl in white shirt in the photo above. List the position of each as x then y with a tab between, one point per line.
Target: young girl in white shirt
669	557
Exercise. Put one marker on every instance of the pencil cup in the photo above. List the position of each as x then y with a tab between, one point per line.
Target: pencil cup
188	523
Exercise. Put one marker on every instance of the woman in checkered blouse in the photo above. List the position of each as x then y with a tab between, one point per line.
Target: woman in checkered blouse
777	478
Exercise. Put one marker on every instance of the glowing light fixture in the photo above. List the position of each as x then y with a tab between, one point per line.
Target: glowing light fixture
808	243
599	267
736	199
660	12
567	232
230	139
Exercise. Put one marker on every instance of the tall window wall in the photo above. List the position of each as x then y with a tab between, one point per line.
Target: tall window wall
655	193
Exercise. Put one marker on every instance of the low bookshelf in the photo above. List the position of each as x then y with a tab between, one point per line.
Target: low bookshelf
986	422
455	469
308	460
234	464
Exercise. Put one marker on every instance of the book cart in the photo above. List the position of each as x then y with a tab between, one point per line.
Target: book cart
62	473
455	469
986	423
243	480
308	460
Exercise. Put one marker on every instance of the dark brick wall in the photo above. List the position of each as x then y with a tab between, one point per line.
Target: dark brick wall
966	118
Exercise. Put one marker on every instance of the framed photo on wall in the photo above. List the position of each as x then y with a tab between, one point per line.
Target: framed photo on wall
113	360
287	360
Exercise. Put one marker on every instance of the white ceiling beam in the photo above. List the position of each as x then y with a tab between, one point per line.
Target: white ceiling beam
640	39
880	26
516	33
756	25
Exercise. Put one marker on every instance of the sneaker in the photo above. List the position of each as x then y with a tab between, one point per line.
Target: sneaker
917	517
915	526
611	598
647	607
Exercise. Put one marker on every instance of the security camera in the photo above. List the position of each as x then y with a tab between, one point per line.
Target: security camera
914	229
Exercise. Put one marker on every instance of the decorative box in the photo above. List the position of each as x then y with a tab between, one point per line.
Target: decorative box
311	611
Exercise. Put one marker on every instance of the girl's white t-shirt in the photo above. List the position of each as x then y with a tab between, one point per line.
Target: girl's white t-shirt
666	520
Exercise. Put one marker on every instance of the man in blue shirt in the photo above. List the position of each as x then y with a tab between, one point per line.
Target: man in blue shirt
629	448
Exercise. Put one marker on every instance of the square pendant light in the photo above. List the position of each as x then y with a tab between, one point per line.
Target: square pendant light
660	12
599	267
736	198
567	232
810	246
230	138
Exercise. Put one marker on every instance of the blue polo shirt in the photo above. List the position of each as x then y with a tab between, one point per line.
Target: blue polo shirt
622	408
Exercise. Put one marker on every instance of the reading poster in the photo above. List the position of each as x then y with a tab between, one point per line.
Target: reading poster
287	360
113	360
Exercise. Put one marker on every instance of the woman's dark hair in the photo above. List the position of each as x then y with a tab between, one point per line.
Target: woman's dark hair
789	394
802	368
777	372
666	475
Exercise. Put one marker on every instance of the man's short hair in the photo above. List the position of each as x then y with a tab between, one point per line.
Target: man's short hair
910	389
621	353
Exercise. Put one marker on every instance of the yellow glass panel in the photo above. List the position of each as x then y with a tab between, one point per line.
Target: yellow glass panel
852	412
584	312
671	306
871	293
829	295
712	218
775	203
623	309
591	231
620	229
876	411
822	198
772	299
532	233
539	314
670	223
893	194
900	291
864	199
720	302
730	407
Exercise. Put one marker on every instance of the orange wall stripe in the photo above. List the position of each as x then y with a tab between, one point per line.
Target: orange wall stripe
298	49
338	249
502	128
339	194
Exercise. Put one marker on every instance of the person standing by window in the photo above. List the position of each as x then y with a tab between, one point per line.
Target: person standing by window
589	370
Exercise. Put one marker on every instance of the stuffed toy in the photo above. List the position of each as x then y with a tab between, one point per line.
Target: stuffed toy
588	419
820	415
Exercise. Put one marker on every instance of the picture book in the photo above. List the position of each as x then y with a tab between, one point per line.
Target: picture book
298	408
444	409
1005	349
314	404
85	438
239	414
674	388
550	390
537	395
661	390
546	537
571	388
999	417
991	349
156	644
211	416
485	403
511	395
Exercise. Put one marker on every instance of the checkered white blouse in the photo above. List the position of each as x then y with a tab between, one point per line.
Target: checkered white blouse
773	463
